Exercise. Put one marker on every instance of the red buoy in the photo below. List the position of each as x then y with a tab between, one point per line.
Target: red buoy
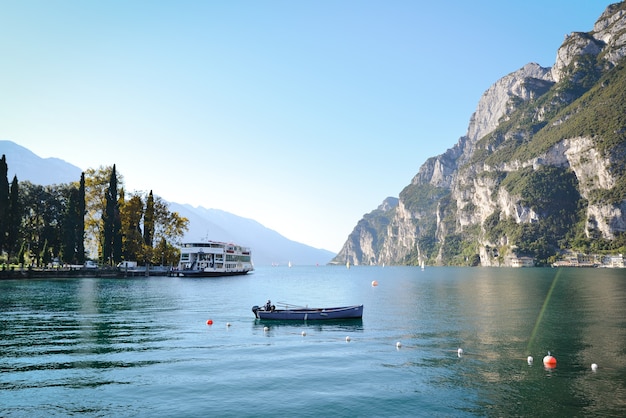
209	322
549	361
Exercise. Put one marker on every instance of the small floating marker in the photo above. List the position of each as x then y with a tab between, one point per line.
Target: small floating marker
549	361
374	283
594	367
228	324
209	322
459	352
266	329
303	333
530	360
348	339
398	344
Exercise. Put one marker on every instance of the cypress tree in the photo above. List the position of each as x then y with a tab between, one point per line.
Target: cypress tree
148	221
70	225
80	227
118	249
111	234
4	203
14	217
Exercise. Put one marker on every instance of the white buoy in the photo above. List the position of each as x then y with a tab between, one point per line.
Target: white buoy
228	324
530	360
303	334
348	339
459	352
266	329
398	344
594	367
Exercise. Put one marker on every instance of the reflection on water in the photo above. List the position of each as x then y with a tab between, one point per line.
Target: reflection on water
142	347
351	325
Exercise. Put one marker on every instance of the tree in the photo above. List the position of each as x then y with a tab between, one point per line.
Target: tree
169	228
132	240
42	218
80	228
148	221
4	202
71	224
14	218
96	184
111	224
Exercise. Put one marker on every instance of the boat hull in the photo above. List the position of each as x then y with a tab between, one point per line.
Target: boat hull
310	314
203	273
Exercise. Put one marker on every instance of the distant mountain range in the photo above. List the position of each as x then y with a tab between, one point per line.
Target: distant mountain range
268	246
29	166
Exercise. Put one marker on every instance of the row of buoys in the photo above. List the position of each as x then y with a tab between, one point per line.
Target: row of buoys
549	361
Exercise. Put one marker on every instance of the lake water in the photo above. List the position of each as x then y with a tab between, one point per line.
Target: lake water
142	347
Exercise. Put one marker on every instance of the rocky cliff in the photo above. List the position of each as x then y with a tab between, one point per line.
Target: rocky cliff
540	169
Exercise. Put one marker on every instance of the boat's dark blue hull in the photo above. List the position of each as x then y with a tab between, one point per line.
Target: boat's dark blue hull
310	314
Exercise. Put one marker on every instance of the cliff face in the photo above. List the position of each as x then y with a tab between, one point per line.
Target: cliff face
541	168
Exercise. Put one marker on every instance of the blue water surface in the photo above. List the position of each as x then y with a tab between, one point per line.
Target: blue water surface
141	347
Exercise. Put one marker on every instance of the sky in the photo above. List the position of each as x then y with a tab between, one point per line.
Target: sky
302	115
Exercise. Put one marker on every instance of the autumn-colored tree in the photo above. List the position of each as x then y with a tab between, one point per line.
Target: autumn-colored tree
169	229
96	184
132	241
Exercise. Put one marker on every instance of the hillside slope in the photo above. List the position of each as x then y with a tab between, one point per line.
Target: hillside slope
541	168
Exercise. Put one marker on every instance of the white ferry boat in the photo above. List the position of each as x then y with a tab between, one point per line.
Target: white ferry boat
211	258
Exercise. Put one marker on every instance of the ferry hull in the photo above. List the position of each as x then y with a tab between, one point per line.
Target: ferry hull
200	273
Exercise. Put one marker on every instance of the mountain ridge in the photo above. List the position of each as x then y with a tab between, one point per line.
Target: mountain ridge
268	246
478	202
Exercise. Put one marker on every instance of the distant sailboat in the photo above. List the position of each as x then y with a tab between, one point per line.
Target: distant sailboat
347	264
423	264
289	264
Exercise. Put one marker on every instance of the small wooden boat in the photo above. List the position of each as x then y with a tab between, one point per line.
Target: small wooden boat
308	314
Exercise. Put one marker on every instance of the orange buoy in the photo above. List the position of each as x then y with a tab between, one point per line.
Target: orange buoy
549	361
374	283
209	322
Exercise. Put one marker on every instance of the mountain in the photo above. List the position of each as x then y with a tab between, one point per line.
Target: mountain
541	169
267	245
30	167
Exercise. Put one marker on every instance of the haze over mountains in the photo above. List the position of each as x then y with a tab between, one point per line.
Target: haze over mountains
268	246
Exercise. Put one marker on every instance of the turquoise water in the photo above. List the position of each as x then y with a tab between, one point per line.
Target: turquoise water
142	347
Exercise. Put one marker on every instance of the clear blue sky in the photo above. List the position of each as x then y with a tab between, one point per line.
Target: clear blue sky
301	115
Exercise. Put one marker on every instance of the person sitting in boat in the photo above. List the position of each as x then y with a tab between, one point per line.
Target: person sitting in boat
268	305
